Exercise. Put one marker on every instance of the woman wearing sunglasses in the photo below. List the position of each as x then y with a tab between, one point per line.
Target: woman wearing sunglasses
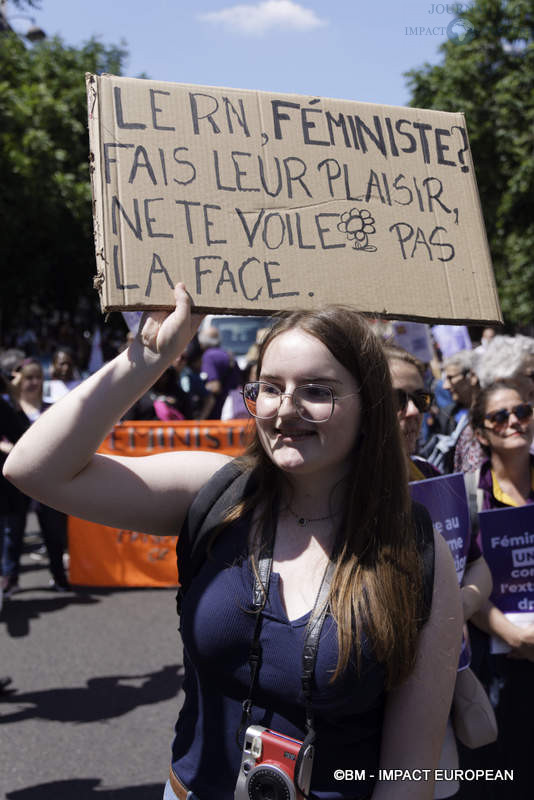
413	400
323	531
503	423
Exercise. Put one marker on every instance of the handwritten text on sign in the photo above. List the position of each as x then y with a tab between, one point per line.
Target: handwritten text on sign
247	182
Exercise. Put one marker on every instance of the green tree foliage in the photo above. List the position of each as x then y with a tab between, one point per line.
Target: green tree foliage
489	75
46	242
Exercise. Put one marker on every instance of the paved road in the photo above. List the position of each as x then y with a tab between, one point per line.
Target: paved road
96	679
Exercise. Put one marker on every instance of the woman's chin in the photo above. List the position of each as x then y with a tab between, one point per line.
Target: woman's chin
290	460
515	442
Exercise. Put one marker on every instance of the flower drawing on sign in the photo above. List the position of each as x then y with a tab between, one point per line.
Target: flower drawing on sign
358	225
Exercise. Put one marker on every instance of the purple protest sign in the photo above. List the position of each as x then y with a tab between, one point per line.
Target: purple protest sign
446	501
507	539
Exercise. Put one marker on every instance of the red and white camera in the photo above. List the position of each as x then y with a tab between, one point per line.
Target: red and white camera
273	767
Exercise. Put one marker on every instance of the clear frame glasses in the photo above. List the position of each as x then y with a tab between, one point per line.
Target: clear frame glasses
313	402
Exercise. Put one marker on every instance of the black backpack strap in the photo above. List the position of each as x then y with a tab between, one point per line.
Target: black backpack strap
226	488
424	532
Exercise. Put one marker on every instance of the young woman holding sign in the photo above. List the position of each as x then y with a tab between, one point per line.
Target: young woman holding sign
323	608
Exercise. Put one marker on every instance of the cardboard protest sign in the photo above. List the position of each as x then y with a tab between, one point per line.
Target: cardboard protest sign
507	540
261	202
446	501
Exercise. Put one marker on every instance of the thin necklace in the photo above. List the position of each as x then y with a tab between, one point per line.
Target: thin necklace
303	521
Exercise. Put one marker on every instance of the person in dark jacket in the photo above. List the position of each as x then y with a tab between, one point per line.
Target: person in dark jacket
53	523
13	504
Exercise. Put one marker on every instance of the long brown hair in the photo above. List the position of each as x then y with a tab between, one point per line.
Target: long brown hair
376	587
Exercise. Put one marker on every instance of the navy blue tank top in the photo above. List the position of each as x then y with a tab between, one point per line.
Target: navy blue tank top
217	628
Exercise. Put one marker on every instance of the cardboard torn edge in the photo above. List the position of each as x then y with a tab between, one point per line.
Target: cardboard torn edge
95	172
269	312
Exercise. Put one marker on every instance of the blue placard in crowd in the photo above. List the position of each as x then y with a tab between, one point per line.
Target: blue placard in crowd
507	539
446	501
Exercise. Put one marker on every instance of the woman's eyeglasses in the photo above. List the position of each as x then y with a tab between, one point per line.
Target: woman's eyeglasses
456	378
522	412
313	403
421	399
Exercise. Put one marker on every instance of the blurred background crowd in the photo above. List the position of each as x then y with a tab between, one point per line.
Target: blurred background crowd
47	355
50	351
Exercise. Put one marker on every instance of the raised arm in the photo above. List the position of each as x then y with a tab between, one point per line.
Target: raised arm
55	460
417	711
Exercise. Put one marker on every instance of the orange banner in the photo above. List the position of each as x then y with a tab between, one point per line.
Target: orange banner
141	438
102	556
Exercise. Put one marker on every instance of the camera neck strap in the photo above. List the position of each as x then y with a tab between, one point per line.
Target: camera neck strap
311	639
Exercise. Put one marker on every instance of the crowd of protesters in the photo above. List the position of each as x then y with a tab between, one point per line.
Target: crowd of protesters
477	407
467	409
204	383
